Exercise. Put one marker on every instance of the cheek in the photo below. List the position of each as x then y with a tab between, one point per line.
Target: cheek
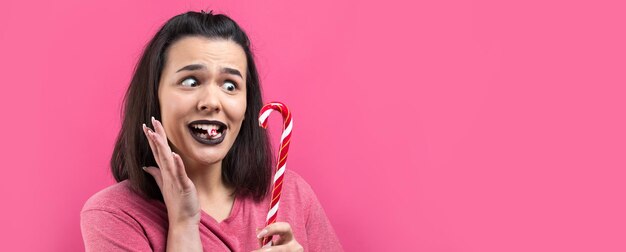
243	105
242	114
174	105
171	112
237	108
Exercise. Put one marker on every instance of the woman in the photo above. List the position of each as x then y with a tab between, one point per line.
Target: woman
207	165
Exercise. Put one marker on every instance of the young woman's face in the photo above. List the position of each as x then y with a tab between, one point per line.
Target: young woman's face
203	87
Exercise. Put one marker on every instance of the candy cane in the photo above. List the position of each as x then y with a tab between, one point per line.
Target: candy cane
213	133
282	158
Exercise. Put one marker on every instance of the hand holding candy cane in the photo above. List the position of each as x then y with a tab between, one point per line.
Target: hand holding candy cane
286	242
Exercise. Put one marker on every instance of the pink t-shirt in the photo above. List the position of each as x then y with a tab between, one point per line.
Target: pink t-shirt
117	218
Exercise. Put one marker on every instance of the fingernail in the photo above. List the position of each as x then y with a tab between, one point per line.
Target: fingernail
262	233
144	168
152	119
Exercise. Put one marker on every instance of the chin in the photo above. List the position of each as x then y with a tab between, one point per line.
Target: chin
209	159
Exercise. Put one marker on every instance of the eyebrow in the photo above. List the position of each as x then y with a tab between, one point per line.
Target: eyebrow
194	67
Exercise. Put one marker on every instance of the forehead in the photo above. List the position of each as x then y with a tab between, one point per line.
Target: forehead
213	52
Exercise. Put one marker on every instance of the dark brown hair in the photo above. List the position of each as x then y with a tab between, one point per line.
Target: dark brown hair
247	165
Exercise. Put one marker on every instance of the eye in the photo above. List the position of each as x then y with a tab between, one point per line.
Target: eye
230	85
189	82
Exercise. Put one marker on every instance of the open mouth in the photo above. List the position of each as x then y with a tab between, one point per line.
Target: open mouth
208	131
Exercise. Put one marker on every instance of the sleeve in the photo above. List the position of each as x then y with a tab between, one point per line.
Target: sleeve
104	230
320	233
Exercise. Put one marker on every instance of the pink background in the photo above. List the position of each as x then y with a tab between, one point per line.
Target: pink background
422	126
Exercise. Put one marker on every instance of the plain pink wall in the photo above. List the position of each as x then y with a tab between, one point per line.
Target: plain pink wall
422	126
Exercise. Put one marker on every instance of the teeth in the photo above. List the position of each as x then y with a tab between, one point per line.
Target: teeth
206	127
203	135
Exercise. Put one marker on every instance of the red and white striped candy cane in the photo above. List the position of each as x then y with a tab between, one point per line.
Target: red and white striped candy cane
282	158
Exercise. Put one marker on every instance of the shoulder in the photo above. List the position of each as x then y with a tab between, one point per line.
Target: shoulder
296	188
294	181
116	218
115	198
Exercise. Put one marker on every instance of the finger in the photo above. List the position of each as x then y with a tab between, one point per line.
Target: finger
261	236
275	249
162	157
160	136
166	165
155	151
268	249
159	130
180	170
283	229
259	239
164	151
156	174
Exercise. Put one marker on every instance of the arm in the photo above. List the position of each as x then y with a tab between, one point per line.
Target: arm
184	238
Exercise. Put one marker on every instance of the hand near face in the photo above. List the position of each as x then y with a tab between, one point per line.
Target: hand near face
179	192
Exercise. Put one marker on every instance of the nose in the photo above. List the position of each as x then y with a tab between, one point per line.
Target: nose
209	100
